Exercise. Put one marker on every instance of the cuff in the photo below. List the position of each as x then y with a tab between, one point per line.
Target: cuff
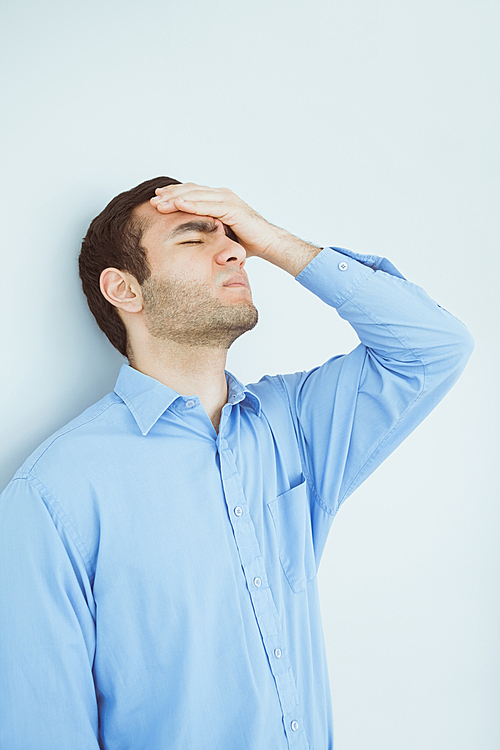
334	275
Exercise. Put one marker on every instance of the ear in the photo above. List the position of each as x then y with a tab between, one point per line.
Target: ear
121	289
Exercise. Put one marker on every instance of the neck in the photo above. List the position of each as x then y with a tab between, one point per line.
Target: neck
188	370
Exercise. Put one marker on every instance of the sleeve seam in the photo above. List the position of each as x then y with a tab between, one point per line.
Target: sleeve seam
372	456
53	505
387	328
376	450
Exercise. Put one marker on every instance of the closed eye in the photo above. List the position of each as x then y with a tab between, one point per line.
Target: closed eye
228	231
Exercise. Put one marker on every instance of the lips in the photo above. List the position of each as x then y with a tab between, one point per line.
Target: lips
237	280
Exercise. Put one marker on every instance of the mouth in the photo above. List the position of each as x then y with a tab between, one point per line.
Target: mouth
238	281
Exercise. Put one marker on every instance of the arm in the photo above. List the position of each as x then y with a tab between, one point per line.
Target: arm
355	409
47	634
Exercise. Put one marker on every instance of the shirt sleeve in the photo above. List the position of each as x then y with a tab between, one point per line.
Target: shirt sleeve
355	409
47	633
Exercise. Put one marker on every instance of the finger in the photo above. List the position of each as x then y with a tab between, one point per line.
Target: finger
165	208
162	194
188	190
176	189
165	202
190	198
173	204
177	185
217	209
206	194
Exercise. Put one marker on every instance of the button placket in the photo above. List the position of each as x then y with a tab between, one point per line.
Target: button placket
266	614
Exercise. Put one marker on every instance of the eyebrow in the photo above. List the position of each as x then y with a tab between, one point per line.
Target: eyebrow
193	226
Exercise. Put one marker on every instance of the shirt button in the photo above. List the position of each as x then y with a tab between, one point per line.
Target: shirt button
277	652
257	582
189	404
238	511
294	725
343	266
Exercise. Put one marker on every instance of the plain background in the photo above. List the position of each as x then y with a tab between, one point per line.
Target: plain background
356	123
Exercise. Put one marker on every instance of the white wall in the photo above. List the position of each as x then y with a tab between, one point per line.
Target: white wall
359	123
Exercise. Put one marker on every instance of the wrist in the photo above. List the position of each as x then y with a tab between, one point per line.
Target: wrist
291	253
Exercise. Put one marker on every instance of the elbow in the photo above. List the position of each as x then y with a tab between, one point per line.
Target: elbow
451	360
465	347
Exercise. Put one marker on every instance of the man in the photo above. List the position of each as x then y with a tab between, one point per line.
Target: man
159	554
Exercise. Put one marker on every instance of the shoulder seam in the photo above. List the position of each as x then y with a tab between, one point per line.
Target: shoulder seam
50	501
75	427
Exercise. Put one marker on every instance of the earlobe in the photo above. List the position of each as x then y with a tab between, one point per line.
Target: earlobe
121	289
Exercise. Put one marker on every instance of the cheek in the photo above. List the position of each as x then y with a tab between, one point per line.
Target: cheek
188	265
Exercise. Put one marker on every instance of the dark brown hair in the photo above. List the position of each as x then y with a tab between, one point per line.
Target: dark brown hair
113	240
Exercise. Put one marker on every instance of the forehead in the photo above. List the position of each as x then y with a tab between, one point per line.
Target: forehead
155	222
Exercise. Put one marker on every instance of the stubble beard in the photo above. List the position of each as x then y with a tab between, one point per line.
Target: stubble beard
186	312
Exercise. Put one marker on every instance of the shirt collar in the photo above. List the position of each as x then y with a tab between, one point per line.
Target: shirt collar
148	399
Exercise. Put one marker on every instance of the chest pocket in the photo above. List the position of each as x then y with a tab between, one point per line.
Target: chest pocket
292	521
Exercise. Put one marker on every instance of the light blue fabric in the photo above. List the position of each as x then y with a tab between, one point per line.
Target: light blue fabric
160	580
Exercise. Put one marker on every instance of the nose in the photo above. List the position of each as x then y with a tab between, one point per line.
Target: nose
230	251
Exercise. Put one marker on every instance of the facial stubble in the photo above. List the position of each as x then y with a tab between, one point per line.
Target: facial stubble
187	313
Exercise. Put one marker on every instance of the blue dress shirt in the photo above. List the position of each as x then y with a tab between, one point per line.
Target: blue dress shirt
158	580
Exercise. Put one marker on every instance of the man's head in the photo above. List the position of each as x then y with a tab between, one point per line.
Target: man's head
146	274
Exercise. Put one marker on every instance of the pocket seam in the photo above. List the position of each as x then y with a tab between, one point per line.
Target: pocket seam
297	583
